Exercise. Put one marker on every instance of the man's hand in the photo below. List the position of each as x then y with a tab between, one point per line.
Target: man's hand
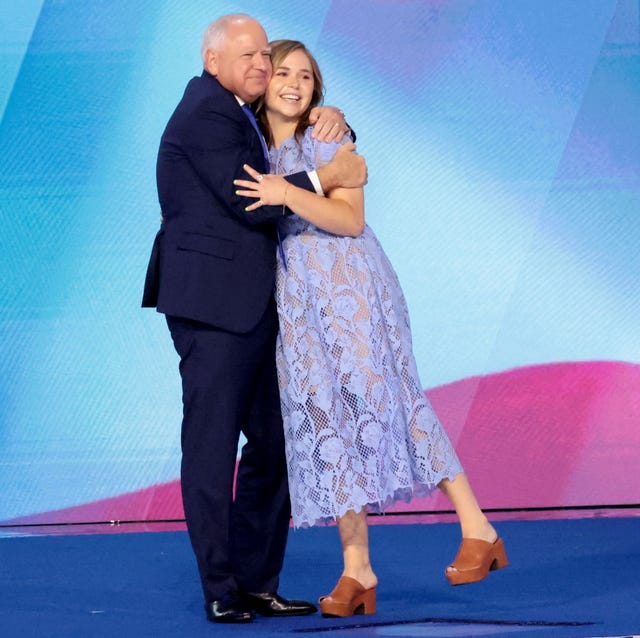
347	169
329	124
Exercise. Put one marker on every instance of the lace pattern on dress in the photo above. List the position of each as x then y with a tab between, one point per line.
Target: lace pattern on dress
359	430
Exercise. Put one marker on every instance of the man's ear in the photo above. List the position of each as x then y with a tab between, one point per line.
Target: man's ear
211	62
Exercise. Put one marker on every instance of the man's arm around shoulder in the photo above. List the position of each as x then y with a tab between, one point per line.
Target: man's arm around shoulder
347	169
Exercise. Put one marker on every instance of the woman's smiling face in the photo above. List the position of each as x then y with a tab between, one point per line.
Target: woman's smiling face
291	87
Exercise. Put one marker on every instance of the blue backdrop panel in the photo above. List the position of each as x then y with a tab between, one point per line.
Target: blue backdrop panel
503	145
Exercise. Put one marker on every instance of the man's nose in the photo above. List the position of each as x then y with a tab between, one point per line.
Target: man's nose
260	61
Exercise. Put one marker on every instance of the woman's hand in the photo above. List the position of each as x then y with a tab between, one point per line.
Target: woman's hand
267	189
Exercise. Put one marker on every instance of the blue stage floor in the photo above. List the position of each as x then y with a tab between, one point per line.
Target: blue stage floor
567	579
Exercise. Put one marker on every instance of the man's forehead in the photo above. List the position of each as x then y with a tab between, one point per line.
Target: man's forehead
247	35
252	47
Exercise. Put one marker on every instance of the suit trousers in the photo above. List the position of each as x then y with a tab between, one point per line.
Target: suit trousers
229	386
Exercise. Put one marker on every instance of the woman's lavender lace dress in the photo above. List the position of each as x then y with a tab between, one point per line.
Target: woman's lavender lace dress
359	430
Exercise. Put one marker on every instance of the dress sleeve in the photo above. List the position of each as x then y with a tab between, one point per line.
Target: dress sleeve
318	153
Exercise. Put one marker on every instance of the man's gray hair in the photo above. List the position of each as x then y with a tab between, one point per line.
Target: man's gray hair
216	32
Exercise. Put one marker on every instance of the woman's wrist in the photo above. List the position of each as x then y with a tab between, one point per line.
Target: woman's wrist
284	199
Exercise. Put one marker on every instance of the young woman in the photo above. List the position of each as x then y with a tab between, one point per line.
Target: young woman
360	433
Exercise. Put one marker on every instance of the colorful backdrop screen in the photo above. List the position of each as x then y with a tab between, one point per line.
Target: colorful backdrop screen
503	144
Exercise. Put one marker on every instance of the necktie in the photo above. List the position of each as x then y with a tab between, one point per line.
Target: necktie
252	118
249	113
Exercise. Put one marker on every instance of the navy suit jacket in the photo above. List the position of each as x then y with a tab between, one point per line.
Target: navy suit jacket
211	261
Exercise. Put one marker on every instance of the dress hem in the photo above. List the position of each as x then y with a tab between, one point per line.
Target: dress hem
401	494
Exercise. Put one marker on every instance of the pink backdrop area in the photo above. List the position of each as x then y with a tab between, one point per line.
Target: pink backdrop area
546	436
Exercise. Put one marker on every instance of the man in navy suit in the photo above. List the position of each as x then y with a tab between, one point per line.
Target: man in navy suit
212	273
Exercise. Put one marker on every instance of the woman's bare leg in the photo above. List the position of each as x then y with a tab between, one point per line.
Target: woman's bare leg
354	536
473	521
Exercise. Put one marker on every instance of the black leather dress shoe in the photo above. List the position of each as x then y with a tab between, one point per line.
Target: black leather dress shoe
229	609
272	604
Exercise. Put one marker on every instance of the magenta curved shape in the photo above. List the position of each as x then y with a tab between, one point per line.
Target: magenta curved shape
545	436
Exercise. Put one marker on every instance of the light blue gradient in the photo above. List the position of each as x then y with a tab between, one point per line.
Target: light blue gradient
503	145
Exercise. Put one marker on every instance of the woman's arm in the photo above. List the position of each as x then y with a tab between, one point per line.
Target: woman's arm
341	212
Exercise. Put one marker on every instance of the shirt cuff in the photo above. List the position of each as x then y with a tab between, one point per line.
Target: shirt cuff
315	181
